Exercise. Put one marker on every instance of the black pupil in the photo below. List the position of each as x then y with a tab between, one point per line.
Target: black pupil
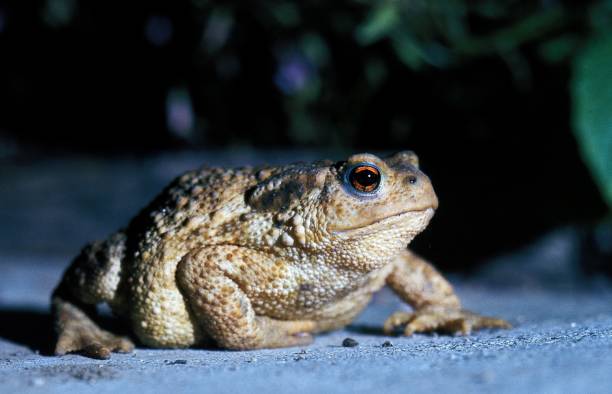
365	177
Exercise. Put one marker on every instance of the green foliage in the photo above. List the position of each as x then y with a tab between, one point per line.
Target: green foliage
592	92
560	49
380	21
380	36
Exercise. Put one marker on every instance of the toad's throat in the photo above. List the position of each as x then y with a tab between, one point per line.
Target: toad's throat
417	218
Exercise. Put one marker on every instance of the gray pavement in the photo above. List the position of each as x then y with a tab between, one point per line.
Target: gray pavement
561	343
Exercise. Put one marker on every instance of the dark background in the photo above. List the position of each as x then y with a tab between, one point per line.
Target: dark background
479	89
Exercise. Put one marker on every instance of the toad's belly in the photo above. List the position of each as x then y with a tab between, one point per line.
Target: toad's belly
332	307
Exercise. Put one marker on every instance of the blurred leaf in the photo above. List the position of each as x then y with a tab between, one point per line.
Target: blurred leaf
59	13
303	128
343	22
379	23
592	93
560	48
437	54
407	49
449	17
506	39
199	3
311	91
375	71
315	49
600	15
286	13
519	68
490	9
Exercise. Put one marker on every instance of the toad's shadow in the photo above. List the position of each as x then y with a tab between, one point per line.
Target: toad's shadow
34	328
366	329
29	328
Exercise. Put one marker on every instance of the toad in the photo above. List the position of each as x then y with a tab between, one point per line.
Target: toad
261	258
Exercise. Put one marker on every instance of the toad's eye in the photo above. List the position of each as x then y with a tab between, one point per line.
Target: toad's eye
365	178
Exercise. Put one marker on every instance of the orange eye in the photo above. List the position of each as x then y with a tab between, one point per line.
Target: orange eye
365	178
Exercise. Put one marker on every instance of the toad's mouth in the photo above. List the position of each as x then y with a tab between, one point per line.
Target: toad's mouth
415	220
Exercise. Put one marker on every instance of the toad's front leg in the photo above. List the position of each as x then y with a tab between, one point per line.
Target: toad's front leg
224	311
436	306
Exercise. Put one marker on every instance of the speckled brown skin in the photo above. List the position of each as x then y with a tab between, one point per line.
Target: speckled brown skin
254	258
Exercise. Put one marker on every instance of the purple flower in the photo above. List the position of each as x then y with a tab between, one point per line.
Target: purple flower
180	118
293	73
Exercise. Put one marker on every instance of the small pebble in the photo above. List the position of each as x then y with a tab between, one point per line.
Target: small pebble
387	344
349	342
177	362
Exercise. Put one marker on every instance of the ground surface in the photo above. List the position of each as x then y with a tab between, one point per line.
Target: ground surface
562	340
562	343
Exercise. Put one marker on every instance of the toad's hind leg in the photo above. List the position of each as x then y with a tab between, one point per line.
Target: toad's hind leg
92	278
225	312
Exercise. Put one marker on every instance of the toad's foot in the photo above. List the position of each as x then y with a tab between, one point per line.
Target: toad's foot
77	333
446	320
277	333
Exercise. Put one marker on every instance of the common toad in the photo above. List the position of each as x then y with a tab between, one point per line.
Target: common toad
262	258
